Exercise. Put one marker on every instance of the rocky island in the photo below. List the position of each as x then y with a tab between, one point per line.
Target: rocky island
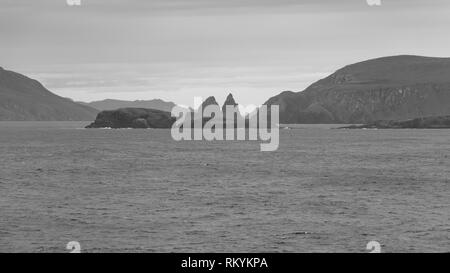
133	118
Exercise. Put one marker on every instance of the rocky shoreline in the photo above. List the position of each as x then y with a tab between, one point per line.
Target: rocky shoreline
438	122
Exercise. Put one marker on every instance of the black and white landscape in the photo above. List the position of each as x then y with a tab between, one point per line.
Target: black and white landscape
88	154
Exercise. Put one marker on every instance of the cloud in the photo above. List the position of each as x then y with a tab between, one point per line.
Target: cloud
180	83
180	48
168	7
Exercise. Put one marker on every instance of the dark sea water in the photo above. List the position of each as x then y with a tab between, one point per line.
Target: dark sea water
139	191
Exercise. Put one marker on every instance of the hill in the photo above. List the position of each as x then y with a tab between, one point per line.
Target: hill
25	99
390	88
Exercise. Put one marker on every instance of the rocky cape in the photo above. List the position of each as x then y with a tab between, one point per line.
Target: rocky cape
442	122
390	88
25	99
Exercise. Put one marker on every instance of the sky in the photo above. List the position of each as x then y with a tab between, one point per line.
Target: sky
180	49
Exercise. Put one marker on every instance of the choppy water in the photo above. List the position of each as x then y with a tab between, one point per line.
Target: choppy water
137	190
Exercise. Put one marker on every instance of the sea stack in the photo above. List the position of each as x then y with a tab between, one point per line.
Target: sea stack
209	101
229	101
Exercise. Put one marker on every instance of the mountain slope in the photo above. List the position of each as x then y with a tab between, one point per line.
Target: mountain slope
110	104
390	88
22	98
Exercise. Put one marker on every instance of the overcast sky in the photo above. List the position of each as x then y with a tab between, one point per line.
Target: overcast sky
178	49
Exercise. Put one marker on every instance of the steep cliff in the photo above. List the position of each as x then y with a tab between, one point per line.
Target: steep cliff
390	88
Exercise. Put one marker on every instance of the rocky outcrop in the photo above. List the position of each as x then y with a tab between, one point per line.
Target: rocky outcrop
229	101
133	118
209	101
418	123
25	99
391	88
151	118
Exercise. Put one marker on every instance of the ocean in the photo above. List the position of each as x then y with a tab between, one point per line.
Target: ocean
323	190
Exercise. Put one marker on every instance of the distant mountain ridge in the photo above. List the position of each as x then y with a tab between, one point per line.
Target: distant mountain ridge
110	104
389	88
25	99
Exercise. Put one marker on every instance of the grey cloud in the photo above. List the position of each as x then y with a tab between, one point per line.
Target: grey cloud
198	6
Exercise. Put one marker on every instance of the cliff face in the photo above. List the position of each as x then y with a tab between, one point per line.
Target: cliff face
133	118
391	88
22	98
